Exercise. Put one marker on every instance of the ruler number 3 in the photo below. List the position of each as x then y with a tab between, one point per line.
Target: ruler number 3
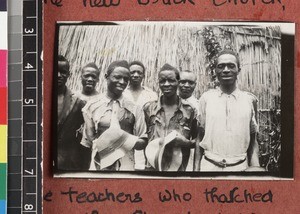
28	30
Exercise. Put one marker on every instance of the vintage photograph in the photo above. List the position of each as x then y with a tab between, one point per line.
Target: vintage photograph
187	99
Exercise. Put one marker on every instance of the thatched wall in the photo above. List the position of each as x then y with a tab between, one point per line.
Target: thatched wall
178	44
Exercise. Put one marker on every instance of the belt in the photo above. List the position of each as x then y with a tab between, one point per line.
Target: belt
223	163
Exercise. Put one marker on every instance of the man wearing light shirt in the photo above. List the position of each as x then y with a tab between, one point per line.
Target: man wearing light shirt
139	95
227	118
111	121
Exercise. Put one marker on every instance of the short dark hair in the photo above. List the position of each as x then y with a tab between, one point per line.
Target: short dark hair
169	67
61	58
137	63
115	64
231	52
91	65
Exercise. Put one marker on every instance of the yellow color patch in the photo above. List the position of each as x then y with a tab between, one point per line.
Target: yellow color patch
3	144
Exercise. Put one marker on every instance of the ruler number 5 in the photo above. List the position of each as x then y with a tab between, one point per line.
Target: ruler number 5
28	30
28	101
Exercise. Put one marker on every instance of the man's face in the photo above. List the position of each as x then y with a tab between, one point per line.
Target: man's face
187	84
136	74
63	73
89	79
227	69
168	83
117	80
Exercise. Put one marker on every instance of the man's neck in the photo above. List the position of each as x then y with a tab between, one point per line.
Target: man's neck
112	95
134	87
184	97
170	101
94	92
61	90
228	89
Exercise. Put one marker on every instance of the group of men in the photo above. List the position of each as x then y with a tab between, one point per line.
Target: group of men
130	127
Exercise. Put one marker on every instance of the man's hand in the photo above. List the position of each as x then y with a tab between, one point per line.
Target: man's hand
181	141
140	144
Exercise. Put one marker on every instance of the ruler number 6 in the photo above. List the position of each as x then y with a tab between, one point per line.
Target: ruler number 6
28	207
28	30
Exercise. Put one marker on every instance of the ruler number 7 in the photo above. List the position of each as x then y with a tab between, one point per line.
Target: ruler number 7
28	30
29	172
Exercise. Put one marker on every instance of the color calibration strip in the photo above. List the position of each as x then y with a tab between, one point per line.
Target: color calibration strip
32	106
3	105
25	106
14	106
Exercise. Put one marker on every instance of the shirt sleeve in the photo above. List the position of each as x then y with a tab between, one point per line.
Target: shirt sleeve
202	111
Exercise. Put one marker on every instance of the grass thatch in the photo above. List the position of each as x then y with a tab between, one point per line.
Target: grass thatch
180	45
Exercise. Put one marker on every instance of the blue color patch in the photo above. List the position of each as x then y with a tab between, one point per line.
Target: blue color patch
3	206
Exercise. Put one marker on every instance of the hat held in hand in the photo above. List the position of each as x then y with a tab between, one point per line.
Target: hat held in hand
113	143
162	155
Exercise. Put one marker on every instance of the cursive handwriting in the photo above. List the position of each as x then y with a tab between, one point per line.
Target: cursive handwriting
245	2
91	197
101	3
57	3
165	2
235	197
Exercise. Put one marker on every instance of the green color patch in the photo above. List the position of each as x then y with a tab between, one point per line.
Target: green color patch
3	182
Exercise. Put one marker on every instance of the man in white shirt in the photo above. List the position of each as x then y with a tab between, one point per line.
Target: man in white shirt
227	117
139	95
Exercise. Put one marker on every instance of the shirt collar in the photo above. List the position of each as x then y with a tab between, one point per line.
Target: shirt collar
235	93
159	105
120	100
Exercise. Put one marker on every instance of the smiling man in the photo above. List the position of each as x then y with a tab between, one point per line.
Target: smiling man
89	79
227	117
139	95
168	114
114	126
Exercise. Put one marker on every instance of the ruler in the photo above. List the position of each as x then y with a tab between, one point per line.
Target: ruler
25	107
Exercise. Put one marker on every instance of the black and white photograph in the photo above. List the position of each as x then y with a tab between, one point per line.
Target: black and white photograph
173	100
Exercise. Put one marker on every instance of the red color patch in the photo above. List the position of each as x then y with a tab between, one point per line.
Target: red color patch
3	106
3	68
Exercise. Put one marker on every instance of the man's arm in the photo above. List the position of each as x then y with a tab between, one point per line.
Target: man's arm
198	151
253	151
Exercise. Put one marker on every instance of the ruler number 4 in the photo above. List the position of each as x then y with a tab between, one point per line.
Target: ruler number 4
28	66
